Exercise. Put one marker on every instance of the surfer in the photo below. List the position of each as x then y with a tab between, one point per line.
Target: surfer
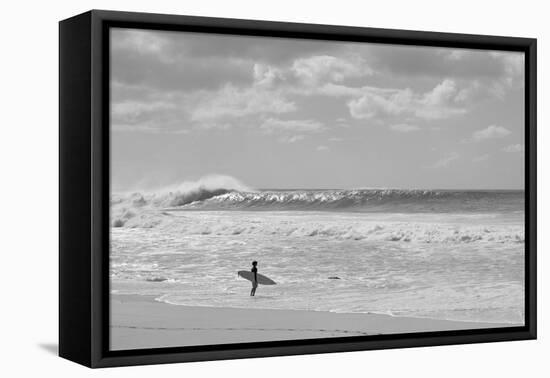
254	271
256	278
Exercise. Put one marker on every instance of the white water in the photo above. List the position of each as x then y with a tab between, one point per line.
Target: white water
446	266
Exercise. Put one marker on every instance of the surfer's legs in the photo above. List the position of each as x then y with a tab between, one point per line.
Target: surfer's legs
253	291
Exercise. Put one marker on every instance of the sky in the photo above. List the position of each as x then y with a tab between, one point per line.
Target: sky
295	113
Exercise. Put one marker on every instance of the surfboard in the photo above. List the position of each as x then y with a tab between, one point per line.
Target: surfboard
262	280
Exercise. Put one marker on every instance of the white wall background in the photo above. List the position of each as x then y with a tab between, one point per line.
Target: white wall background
29	176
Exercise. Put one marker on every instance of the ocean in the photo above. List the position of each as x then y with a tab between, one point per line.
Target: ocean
444	254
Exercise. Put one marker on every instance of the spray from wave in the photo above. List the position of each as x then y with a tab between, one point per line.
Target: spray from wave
204	188
125	206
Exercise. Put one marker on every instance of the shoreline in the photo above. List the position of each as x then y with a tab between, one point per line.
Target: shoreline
139	321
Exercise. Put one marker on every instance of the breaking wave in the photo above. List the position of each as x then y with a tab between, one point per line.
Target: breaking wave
215	192
371	200
125	206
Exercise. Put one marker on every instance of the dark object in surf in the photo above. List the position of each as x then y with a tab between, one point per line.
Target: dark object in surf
156	279
334	278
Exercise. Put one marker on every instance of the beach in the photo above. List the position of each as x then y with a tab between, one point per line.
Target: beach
346	263
139	321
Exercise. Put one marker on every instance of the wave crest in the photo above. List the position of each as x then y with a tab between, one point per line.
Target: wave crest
217	192
125	206
364	200
198	194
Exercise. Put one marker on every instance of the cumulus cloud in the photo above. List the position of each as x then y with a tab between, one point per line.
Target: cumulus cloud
491	132
513	64
273	86
514	148
375	103
325	68
439	103
314	75
446	160
222	82
266	75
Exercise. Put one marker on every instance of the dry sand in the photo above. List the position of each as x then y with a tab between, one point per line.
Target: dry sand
141	322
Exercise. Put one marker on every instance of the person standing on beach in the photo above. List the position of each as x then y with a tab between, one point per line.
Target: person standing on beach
254	270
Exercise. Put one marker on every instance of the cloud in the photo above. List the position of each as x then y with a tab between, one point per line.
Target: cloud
342	122
332	90
170	61
144	128
273	86
404	128
176	82
334	60
135	109
291	139
266	75
513	67
376	103
430	62
441	93
336	139
304	125
324	75
480	158
491	132
514	148
231	101
445	161
152	113
325	68
489	74
513	64
168	45
454	54
322	148
141	41
439	103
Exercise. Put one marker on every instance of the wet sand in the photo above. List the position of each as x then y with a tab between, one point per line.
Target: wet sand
141	322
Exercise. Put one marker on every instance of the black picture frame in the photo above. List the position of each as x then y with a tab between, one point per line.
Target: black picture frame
84	188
